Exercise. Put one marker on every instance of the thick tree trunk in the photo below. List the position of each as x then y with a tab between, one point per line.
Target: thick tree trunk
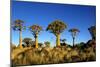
58	40
20	39
36	41
73	41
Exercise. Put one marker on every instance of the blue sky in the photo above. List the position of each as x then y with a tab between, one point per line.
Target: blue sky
75	16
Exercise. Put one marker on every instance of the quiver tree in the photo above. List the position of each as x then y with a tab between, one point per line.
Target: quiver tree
57	27
92	31
18	26
27	41
74	32
35	29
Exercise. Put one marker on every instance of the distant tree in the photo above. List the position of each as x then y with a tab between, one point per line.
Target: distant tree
63	42
92	31
81	45
57	27
35	29
68	45
32	43
47	44
40	44
27	41
23	45
18	26
74	32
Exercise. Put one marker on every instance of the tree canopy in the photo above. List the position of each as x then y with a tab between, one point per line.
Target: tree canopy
35	29
74	31
18	25
56	27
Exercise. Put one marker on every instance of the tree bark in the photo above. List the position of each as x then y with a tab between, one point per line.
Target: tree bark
20	39
36	41
58	40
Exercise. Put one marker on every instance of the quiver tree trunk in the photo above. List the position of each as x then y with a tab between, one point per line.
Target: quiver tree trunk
73	41
58	40
36	41
20	39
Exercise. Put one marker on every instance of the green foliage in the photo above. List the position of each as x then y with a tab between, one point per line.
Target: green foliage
18	25
27	41
56	27
47	44
63	40
32	43
40	44
35	29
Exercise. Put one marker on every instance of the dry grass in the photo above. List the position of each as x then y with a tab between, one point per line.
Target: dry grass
33	56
